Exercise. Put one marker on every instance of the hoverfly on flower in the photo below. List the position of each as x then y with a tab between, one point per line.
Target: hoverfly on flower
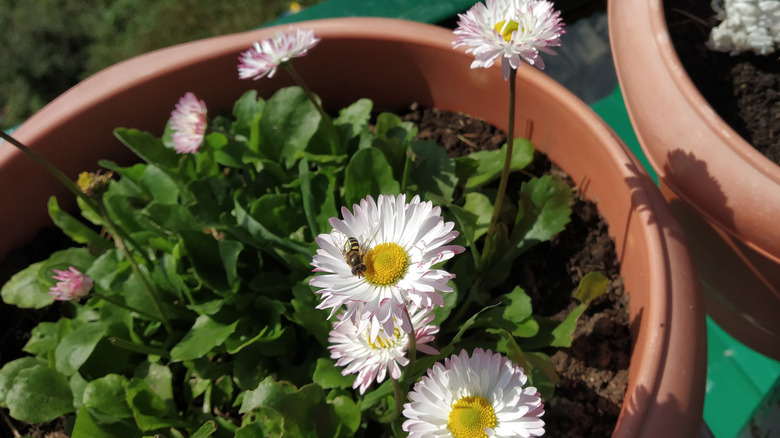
353	250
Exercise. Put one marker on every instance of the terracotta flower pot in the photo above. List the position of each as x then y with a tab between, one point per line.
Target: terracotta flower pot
723	191
396	63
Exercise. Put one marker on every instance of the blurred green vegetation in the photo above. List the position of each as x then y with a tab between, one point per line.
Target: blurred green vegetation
47	46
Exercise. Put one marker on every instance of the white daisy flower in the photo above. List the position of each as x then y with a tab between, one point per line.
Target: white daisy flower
269	54
513	30
477	397
380	258
373	360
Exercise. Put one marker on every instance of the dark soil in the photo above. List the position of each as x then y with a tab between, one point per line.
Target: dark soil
743	89
594	370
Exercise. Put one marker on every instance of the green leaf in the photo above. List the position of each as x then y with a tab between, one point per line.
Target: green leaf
592	286
26	290
353	120
305	411
288	123
490	164
246	110
149	409
515	316
214	261
306	315
172	217
432	170
39	394
263	327
265	423
264	238
375	396
322	190
368	173
106	397
349	413
160	187
473	218
79	258
10	370
543	210
76	229
543	375
159	378
204	335
76	347
88	427
247	369
421	365
328	375
29	288
148	147
537	366
277	214
43	339
206	430
392	137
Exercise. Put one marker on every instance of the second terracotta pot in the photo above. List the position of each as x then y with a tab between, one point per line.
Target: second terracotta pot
723	191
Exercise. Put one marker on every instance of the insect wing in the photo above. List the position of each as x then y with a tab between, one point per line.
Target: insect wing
340	240
369	234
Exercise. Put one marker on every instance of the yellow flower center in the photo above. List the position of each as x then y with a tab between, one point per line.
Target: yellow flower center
470	416
506	28
383	341
85	180
386	263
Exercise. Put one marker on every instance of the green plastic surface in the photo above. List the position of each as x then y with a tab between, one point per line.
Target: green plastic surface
427	11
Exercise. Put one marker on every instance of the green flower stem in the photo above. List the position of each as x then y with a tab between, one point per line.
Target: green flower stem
473	295
138	348
333	136
124	306
96	206
119	240
53	170
399	391
398	395
411	352
474	291
206	409
407	170
145	282
505	173
487	250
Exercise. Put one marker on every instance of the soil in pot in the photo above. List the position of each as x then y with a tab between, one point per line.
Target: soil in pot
743	89
593	371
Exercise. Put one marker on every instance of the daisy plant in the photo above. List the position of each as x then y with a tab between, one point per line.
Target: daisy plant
234	283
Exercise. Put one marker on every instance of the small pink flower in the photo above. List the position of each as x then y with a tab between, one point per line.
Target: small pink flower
267	55
71	285
188	123
386	354
513	30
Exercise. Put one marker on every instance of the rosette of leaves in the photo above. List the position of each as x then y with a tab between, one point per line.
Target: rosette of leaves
202	322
